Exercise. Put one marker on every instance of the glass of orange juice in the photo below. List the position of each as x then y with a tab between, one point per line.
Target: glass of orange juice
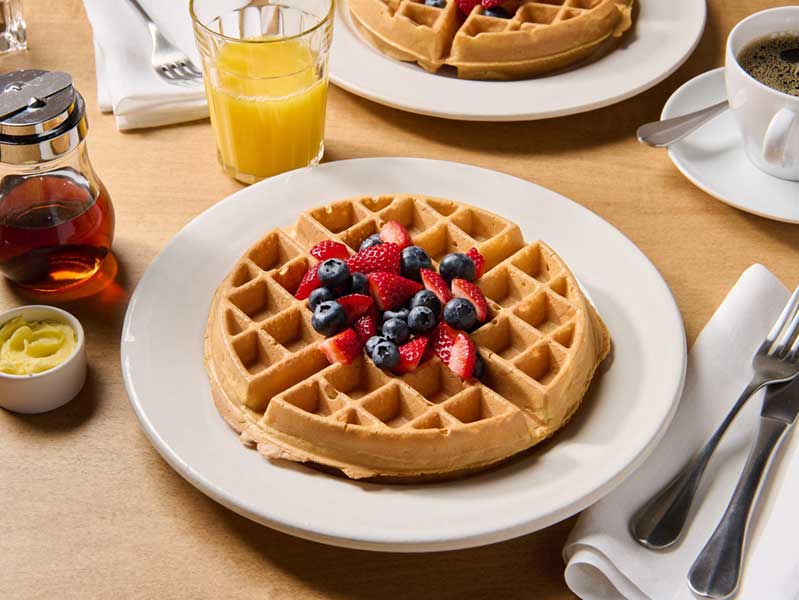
265	74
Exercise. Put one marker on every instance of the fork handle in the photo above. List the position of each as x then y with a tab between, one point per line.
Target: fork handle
660	522
142	12
717	570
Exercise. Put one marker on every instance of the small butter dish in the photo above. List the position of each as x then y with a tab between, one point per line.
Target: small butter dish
54	387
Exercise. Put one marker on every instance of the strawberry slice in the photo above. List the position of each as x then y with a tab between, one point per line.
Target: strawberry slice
436	284
355	305
466	6
477	258
411	354
366	325
343	347
310	281
383	257
463	356
441	341
465	289
391	291
492	3
329	249
394	233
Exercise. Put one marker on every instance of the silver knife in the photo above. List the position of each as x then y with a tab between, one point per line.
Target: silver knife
717	570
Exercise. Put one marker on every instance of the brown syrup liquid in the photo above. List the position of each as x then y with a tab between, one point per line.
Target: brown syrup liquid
55	231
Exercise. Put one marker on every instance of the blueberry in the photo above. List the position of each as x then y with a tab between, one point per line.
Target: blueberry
372	240
428	299
460	314
421	319
479	367
386	355
401	314
435	3
456	265
372	342
333	273
329	317
396	330
496	12
319	295
360	285
413	259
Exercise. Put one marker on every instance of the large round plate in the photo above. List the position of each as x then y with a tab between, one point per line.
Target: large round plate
664	34
621	420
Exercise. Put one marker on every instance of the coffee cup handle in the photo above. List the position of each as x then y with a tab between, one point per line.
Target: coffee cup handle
775	143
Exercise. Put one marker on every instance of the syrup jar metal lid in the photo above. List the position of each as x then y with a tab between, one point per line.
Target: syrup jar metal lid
42	116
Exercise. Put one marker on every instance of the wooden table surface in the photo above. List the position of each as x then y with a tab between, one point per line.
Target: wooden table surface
87	506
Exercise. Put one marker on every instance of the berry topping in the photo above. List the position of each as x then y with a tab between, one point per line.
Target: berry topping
355	305
413	259
333	272
342	348
372	342
359	284
428	299
319	295
397	331
366	325
385	257
329	249
385	354
464	289
466	6
435	3
372	240
442	339
436	284
421	319
478	260
490	3
389	290
497	12
460	313
457	265
411	354
479	366
310	281
393	232
400	313
462	356
329	318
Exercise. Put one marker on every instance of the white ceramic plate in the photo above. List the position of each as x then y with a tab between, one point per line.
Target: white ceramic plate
663	36
713	158
621	420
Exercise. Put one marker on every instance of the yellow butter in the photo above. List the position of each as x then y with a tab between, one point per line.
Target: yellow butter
28	347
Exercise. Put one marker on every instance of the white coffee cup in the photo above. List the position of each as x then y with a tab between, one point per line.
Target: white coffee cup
767	118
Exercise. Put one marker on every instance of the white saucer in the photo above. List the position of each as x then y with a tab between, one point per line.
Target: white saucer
624	415
664	34
714	160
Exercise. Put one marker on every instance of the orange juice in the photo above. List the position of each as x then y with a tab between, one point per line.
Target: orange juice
267	104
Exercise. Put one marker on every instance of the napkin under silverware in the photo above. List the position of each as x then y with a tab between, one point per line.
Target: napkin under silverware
603	560
126	81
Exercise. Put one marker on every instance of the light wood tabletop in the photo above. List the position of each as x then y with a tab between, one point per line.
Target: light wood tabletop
89	509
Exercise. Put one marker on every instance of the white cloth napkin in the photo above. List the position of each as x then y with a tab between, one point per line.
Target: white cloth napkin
126	82
604	562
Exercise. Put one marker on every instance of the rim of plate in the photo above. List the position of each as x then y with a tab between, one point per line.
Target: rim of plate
330	533
683	165
359	68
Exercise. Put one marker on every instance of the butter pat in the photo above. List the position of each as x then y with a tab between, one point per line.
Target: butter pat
29	347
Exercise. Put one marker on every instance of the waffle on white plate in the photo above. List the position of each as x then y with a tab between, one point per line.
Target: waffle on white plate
528	39
540	346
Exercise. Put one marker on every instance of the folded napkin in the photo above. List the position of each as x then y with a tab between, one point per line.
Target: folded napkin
126	82
603	560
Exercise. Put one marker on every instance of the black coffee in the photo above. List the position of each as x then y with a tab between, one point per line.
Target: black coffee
774	61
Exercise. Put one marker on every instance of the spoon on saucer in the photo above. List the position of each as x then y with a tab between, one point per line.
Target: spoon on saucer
664	133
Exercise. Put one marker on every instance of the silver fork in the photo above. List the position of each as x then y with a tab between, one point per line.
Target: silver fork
660	522
167	60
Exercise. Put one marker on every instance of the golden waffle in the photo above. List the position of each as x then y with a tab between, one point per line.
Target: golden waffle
270	381
540	36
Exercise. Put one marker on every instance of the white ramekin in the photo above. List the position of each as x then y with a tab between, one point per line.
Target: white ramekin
47	390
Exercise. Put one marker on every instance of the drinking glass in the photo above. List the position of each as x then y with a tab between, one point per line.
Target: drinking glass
13	35
265	73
